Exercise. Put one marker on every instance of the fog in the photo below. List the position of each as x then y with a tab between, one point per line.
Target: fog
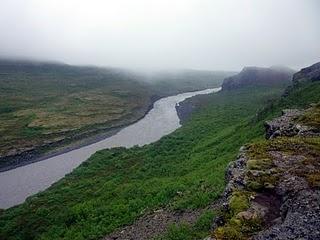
144	34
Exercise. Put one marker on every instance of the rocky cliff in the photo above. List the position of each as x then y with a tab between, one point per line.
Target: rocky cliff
311	73
273	189
259	76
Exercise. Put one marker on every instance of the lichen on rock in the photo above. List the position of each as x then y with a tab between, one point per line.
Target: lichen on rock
273	189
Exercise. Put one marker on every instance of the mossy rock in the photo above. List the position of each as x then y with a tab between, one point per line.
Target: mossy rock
311	117
238	229
228	232
262	180
239	202
259	164
254	185
314	179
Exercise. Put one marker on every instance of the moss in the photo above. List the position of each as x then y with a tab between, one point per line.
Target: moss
254	185
239	202
311	117
238	229
259	180
314	179
258	150
228	232
259	164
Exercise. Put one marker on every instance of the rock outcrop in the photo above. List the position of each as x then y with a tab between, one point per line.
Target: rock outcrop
259	76
273	189
311	73
289	125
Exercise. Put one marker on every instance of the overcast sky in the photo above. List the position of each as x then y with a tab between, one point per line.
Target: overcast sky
199	34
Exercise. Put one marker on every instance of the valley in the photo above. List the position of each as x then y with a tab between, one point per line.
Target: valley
51	108
182	172
159	120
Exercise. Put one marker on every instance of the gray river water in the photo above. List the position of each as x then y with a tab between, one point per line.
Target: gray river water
19	183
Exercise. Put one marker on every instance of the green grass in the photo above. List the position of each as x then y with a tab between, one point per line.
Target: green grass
299	96
116	186
199	230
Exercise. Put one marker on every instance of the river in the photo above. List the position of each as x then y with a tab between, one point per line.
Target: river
19	183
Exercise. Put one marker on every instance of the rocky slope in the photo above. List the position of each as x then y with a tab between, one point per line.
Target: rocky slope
259	76
311	73
273	189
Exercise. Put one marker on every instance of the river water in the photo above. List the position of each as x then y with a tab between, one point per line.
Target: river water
19	183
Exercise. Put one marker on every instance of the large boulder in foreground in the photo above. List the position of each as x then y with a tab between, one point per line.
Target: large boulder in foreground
273	76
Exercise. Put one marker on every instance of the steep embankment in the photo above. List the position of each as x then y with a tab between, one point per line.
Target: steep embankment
249	77
273	186
273	189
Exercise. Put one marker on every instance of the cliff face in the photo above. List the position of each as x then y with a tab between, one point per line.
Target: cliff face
259	76
311	73
273	189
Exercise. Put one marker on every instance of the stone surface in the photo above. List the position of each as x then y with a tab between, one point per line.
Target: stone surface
286	125
311	73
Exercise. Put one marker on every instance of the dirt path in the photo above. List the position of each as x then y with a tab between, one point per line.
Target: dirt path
156	223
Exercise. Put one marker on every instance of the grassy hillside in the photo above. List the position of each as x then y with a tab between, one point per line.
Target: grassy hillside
116	186
44	103
47	105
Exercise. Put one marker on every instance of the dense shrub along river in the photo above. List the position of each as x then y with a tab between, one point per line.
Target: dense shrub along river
19	183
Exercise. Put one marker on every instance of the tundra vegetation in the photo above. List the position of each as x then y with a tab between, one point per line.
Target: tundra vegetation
48	105
184	170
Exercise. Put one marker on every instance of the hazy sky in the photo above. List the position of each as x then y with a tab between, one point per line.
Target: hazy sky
200	34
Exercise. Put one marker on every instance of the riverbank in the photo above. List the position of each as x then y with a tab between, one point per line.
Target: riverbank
70	143
187	107
19	183
83	139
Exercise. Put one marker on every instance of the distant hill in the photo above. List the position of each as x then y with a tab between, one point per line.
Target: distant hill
273	76
47	105
186	80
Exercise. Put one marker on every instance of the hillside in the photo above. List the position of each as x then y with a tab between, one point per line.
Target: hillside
45	105
51	107
273	185
273	76
174	182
